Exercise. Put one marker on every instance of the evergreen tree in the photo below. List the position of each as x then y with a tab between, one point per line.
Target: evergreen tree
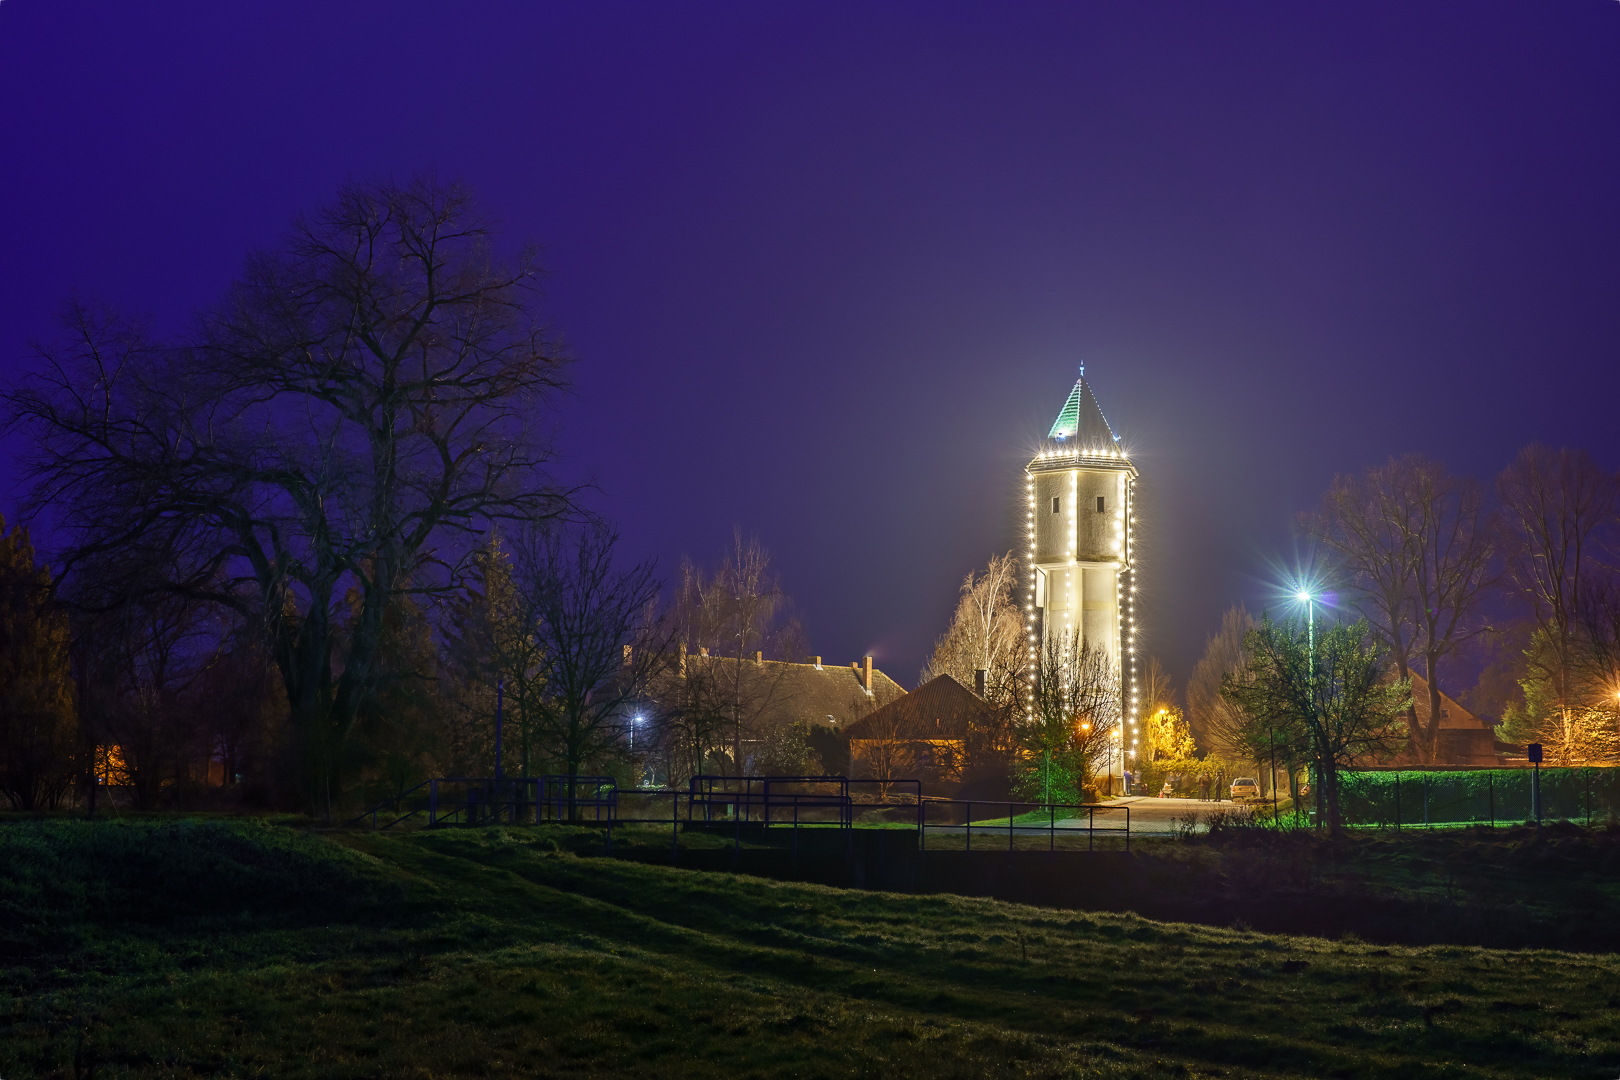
40	750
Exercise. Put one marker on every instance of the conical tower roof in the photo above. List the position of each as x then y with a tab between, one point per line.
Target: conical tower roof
1082	420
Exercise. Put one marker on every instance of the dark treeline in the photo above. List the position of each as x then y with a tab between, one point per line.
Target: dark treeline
301	548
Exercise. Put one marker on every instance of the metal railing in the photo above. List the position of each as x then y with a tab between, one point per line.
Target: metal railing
1062	820
752	802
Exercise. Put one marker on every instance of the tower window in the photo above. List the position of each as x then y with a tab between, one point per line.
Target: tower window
1055	504
1100	505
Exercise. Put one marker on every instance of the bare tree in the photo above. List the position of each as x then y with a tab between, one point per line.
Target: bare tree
985	634
1559	509
737	613
355	411
1218	723
1414	541
693	718
600	641
887	751
1075	718
1159	691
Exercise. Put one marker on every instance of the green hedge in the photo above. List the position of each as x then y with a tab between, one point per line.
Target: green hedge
1503	795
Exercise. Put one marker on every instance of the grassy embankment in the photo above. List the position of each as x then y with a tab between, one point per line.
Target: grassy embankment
239	949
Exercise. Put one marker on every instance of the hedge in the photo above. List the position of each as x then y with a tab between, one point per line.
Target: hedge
1398	798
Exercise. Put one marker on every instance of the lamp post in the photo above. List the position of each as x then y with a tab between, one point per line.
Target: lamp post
500	685
1310	638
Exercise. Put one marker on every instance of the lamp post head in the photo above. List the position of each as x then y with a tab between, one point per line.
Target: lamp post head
1305	596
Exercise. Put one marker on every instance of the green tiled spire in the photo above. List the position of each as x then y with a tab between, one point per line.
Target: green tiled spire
1082	419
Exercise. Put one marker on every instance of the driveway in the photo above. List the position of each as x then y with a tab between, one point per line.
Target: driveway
1149	815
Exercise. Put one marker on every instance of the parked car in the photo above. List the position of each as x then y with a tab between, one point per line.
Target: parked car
1244	788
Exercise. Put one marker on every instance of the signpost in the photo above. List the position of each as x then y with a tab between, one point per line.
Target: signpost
1534	750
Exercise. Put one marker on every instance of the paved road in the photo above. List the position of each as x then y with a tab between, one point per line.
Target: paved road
1164	815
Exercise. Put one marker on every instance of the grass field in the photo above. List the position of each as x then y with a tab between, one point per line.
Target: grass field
217	948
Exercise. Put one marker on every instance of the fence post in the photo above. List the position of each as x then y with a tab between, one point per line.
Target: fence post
1425	800
969	845
1051	829
1490	791
1397	802
1009	827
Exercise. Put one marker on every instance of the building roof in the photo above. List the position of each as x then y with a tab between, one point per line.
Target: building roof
821	694
1452	715
1082	420
941	708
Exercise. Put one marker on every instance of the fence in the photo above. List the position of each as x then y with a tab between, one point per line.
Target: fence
1022	821
761	803
1402	799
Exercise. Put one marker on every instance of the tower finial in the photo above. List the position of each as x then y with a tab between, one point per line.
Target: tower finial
1082	371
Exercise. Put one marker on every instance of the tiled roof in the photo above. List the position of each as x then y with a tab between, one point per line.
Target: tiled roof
828	694
941	708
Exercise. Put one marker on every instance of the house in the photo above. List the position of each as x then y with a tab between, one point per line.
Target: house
922	735
1465	739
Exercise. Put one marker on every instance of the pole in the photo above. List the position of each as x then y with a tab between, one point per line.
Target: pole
1536	795
1310	631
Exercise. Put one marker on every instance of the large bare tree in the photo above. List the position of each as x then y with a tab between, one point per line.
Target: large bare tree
1558	509
1415	543
360	406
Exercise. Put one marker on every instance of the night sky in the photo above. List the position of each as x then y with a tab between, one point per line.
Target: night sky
828	270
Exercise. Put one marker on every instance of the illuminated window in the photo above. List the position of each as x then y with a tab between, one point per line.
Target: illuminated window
1055	504
1100	505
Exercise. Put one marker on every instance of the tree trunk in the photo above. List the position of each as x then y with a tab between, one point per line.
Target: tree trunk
1433	733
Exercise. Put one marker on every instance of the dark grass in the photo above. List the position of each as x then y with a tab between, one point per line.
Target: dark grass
239	949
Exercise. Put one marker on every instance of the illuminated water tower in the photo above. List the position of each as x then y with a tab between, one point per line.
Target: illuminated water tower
1081	489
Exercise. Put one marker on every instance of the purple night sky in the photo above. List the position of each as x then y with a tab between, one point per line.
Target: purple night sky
828	269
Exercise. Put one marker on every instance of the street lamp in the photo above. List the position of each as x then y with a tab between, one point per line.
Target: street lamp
634	723
1310	639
